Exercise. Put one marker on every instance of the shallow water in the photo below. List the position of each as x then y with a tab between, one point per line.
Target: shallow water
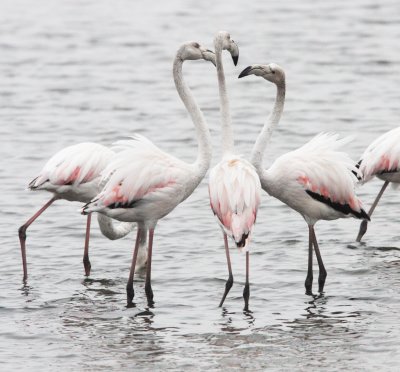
73	71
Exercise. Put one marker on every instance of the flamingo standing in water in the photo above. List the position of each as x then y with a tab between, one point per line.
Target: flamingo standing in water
144	183
234	186
380	159
73	174
315	180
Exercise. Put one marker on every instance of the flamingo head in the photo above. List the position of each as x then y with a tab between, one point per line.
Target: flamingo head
223	41
193	51
272	72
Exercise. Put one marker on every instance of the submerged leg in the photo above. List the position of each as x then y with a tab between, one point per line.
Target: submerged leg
147	287
229	282
22	234
309	278
322	271
130	293
86	261
364	223
246	291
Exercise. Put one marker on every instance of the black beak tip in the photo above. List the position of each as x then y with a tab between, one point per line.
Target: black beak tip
235	59
244	72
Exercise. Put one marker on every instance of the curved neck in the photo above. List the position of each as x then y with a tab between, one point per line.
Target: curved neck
269	126
111	230
203	160
226	121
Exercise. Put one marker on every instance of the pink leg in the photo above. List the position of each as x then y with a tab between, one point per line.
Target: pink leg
246	291
22	235
130	293
229	282
147	287
309	278
86	261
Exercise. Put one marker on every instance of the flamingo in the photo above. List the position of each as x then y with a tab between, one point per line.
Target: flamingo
315	180
73	174
145	183
380	159
234	186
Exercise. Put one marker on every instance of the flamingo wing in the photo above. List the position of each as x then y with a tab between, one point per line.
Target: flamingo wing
381	156
326	174
235	192
73	166
140	172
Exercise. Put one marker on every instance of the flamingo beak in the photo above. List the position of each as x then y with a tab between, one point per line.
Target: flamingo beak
245	72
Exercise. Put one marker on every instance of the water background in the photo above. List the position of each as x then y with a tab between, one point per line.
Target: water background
75	71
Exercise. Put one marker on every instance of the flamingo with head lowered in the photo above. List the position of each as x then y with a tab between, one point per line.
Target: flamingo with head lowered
381	159
315	180
73	174
144	183
234	186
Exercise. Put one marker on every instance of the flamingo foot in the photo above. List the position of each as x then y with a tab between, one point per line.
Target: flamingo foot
321	280
308	285
130	294
246	296
87	265
149	294
228	286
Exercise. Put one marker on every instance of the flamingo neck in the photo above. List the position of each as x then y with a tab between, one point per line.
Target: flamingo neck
203	160
226	121
111	230
265	136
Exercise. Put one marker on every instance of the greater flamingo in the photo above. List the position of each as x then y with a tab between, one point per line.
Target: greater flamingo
73	174
381	159
234	186
315	180
145	183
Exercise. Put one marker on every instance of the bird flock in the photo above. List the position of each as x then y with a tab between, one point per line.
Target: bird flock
135	183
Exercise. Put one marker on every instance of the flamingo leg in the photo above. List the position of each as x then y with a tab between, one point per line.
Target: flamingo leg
309	278
22	235
147	287
322	271
364	223
130	293
246	291
86	261
229	282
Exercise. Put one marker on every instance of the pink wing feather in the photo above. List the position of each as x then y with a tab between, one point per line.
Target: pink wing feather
382	155
74	165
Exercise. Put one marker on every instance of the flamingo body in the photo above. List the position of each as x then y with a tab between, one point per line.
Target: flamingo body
235	192
316	180
382	158
143	183
74	172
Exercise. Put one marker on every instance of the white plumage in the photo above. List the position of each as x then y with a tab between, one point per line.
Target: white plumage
320	168
143	183
74	172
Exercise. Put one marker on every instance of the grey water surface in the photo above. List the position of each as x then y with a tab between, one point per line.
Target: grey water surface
75	71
